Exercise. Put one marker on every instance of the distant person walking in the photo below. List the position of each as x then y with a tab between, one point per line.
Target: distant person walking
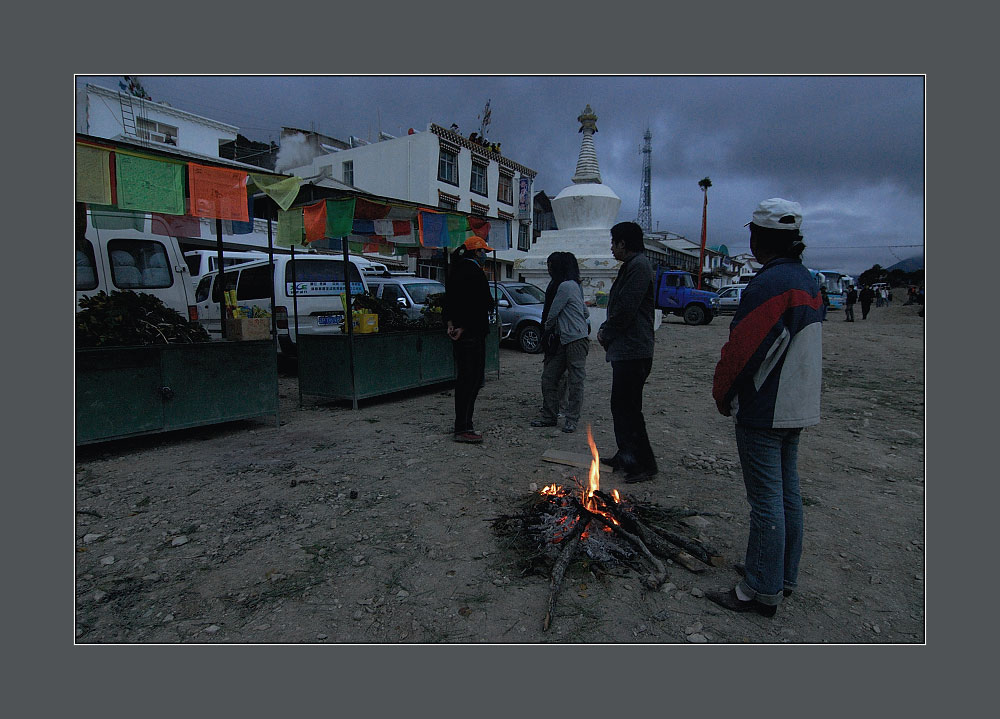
866	297
466	309
769	378
852	297
566	319
826	301
627	339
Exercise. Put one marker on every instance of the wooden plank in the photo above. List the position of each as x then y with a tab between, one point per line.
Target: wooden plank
573	459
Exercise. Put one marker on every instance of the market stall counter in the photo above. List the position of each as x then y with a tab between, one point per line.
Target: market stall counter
128	391
383	362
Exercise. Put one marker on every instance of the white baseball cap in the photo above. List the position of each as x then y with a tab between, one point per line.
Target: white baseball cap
778	214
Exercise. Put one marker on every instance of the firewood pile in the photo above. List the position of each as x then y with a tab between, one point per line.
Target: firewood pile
558	526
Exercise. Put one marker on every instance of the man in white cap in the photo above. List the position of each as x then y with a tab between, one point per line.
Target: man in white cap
768	379
466	308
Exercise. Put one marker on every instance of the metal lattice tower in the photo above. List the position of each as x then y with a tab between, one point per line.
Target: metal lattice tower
645	220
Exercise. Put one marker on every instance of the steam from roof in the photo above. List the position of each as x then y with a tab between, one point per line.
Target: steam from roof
294	152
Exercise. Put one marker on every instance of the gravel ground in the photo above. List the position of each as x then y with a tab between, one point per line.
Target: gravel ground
372	526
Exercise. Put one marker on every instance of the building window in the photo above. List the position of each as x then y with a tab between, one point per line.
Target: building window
523	240
156	131
348	167
505	189
478	184
448	166
446	201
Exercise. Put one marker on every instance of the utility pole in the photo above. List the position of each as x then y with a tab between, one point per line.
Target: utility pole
644	220
704	184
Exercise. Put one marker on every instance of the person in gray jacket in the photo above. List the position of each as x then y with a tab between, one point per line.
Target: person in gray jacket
627	338
567	318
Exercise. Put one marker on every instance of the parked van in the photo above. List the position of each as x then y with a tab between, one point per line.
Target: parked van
132	260
313	283
409	292
200	262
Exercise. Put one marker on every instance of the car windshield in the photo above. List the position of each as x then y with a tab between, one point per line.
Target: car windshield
526	294
419	290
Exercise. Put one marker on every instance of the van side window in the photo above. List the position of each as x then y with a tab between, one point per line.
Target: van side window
139	264
201	294
86	270
230	282
318	277
254	284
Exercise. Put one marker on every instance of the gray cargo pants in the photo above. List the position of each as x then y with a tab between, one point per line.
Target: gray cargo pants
571	359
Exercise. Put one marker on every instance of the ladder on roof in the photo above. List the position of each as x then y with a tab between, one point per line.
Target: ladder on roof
128	115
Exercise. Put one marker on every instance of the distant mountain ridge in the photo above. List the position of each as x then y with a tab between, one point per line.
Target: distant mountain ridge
910	264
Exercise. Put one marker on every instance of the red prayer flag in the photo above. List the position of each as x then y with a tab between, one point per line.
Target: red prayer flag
174	225
314	218
367	210
218	192
479	227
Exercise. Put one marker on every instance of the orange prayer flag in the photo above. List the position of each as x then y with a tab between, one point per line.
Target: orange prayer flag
218	192
314	218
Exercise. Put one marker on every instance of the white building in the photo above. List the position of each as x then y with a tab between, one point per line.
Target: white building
437	168
115	115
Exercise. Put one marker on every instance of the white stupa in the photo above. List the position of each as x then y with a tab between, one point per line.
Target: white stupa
585	212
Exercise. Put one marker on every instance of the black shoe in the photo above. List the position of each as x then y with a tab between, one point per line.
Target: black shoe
730	601
615	463
569	427
638	475
742	571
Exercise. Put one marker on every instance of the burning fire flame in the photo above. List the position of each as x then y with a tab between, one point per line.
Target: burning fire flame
588	494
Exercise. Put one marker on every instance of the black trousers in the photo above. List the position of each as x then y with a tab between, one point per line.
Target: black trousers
470	371
628	377
865	307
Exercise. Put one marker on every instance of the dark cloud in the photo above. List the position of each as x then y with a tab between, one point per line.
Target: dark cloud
850	149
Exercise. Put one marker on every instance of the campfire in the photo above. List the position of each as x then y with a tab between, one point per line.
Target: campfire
564	523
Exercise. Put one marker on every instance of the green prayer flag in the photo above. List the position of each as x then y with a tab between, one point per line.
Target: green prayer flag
356	247
107	217
457	227
149	185
283	190
290	228
339	217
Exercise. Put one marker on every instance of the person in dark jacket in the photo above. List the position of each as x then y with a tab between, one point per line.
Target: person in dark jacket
467	304
866	297
769	378
852	297
627	338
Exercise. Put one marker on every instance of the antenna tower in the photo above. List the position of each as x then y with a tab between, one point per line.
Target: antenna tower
644	220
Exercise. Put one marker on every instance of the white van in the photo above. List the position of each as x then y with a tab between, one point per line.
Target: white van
200	262
315	288
409	292
129	259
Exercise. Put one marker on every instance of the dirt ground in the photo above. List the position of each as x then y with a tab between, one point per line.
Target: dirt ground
374	526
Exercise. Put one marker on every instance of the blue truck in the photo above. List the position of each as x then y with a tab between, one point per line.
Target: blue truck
675	293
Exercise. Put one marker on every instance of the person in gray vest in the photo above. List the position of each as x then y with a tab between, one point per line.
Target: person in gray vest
566	319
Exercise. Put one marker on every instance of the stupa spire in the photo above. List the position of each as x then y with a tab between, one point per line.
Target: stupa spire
587	170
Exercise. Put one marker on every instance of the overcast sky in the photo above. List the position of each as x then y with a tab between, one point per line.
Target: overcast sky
849	149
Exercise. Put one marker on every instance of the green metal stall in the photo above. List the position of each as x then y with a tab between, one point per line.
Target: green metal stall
128	391
383	362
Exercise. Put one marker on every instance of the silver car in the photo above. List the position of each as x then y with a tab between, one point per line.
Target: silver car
520	305
408	291
729	298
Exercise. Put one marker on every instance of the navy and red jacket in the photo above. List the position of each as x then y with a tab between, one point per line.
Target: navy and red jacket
771	368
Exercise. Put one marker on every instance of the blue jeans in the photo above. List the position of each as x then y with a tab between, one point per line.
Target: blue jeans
769	458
